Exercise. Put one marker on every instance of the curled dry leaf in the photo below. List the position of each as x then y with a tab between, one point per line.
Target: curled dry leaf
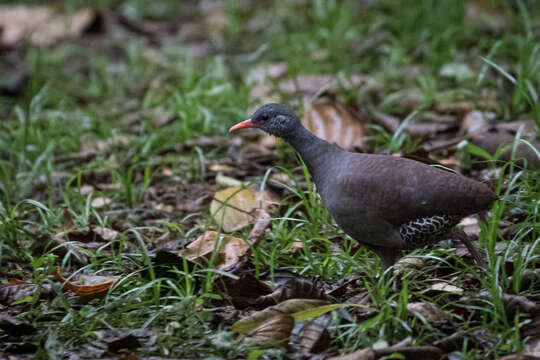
335	123
314	338
40	25
247	324
95	284
228	248
273	331
233	208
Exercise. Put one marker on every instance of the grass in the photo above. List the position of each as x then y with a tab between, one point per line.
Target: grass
114	117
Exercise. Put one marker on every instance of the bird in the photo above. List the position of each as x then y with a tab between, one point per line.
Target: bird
386	203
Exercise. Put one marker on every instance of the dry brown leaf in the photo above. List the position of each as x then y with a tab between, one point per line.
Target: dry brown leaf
274	331
334	122
415	262
229	249
291	306
476	121
100	202
445	287
105	233
493	141
427	310
314	338
233	207
223	180
263	220
220	168
96	284
41	25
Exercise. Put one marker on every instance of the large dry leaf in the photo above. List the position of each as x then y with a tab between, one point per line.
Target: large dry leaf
246	325
93	284
233	208
334	122
41	25
228	248
314	338
273	331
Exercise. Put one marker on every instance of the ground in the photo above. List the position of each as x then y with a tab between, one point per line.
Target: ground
118	178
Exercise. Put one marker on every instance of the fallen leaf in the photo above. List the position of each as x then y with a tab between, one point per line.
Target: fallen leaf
412	261
100	202
228	248
495	141
97	284
427	310
273	331
335	123
220	168
445	287
41	25
290	307
314	338
232	208
119	341
262	221
106	234
14	327
476	121
223	180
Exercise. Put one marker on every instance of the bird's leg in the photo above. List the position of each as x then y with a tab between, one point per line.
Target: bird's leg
473	250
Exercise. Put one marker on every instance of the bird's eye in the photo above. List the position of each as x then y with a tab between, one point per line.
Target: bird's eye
264	117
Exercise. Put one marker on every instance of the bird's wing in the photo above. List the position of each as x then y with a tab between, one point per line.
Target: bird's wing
399	190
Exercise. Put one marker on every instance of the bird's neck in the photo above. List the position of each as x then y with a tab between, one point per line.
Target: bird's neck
316	153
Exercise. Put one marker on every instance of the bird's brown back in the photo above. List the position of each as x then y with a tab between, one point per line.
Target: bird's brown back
399	190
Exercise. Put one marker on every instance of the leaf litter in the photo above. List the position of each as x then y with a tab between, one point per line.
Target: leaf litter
330	116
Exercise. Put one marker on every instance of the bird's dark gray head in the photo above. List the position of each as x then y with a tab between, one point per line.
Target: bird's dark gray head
275	119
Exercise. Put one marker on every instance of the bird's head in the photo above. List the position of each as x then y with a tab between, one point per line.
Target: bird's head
274	119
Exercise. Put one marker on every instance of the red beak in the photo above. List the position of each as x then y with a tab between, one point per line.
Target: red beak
243	125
